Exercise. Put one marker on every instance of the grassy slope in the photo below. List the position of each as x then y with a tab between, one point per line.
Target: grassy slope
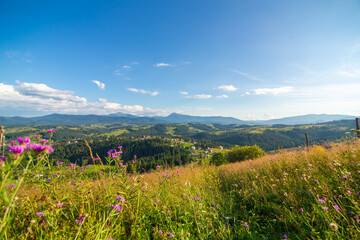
302	194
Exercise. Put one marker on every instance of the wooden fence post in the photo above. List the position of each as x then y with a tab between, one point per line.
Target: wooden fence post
357	127
307	140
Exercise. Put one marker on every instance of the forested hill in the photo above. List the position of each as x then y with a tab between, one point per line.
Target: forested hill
267	137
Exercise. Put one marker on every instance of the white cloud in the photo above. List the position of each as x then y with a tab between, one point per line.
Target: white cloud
143	91
184	93
99	84
244	94
353	74
272	91
126	67
27	56
229	88
163	65
117	72
222	96
249	76
42	98
42	91
11	54
200	96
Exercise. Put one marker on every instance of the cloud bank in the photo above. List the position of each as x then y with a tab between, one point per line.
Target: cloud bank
42	98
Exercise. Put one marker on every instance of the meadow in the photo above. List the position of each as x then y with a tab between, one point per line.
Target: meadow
310	193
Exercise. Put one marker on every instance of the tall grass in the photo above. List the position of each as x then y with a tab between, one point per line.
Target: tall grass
299	194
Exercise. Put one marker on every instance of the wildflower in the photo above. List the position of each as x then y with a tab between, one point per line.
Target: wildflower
134	156
120	147
12	185
116	207
301	209
336	207
13	142
246	224
120	198
95	159
40	214
164	175
80	220
51	131
59	163
89	165
36	136
73	182
23	141
16	150
357	219
73	165
83	167
39	148
44	141
59	204
325	208
196	198
316	180
158	166
2	161
334	226
170	235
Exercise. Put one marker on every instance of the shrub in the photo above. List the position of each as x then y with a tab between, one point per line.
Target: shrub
237	154
218	158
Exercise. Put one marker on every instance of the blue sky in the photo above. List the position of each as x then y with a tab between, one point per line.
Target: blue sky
246	59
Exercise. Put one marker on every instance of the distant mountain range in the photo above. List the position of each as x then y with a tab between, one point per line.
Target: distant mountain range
63	119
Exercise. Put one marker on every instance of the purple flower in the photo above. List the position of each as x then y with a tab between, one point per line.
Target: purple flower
80	220
73	165
325	208
164	175
120	147
301	209
16	149
170	235
36	136
59	204
116	207
23	141
134	156
40	214
316	180
51	131
246	224
59	163
2	161
95	159
13	142
120	198
44	141
336	207
12	185
158	166
39	148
